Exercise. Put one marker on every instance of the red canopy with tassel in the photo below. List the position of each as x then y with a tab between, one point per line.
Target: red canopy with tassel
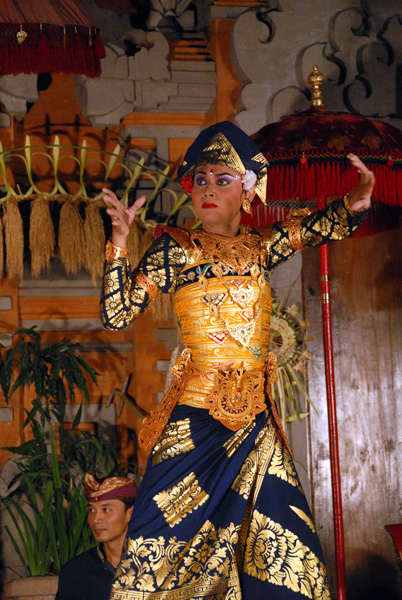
49	37
307	152
308	166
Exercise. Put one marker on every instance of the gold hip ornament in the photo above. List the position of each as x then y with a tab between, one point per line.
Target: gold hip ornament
237	397
154	424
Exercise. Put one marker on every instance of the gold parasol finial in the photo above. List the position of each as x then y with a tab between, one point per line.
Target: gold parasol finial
316	79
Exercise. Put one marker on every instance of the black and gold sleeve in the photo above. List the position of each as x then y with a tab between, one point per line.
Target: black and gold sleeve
334	223
126	294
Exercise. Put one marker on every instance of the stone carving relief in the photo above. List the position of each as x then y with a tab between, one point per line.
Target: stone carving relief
16	91
357	48
120	90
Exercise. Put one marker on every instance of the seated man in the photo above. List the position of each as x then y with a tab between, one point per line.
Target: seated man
89	575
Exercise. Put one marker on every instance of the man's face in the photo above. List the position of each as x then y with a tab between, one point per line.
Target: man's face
108	520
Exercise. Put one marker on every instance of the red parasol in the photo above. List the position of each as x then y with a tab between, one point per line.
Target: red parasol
49	37
308	162
307	154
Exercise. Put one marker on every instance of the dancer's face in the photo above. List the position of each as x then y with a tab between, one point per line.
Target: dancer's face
217	198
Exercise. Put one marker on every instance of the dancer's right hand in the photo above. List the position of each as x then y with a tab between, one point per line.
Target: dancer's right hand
121	217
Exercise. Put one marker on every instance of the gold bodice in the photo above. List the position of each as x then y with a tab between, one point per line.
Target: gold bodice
223	308
206	335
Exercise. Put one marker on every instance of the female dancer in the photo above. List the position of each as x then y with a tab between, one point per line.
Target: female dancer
220	513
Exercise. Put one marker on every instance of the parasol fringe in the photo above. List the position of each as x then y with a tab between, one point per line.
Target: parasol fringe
52	49
333	179
14	238
71	237
41	236
95	239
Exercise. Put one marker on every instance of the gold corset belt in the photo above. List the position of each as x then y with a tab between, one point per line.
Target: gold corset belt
234	395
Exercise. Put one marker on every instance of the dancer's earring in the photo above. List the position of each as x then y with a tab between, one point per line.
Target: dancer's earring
247	206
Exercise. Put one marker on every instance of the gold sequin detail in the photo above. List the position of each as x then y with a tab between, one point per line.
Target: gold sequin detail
181	499
237	252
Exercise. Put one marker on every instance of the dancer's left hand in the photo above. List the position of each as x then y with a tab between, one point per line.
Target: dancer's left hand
360	198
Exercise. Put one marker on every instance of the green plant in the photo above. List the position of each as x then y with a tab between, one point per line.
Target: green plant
46	502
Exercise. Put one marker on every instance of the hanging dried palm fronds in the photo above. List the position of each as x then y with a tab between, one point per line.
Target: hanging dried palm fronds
146	239
162	307
94	235
133	244
41	235
71	239
14	237
1	248
80	245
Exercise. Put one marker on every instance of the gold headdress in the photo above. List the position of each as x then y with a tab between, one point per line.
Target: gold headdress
225	144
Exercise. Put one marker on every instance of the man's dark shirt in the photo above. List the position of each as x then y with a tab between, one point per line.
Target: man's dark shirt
88	576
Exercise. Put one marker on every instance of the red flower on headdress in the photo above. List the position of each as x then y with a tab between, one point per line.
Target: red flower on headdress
187	182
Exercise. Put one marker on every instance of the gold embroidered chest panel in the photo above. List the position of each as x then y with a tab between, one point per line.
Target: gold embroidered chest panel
223	305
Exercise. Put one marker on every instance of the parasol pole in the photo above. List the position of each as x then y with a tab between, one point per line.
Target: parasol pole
332	418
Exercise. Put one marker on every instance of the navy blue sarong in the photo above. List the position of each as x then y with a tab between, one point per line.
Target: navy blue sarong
220	515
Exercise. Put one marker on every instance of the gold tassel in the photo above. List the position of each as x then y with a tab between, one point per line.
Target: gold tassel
95	239
41	236
14	236
71	237
1	248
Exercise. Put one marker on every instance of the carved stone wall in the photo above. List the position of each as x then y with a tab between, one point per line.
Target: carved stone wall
356	45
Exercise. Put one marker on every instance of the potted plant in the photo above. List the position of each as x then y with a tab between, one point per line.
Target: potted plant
45	502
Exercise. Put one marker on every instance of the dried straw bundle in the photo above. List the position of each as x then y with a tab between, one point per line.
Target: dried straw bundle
162	307
146	239
133	243
94	235
1	248
14	236
71	237
41	236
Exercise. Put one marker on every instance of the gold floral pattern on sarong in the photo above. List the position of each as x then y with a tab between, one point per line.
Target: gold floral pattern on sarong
254	467
246	477
160	568
237	439
277	555
181	499
308	520
175	440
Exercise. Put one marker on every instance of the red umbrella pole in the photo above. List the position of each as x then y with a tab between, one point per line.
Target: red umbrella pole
332	420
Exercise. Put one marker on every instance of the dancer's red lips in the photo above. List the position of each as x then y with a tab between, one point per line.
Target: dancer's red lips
209	205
